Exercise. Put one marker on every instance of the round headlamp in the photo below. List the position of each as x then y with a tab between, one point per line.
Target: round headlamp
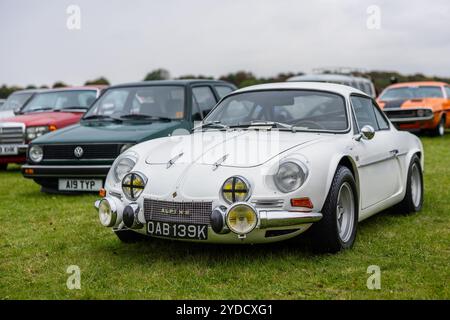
235	189
124	165
36	154
290	176
107	213
133	185
241	218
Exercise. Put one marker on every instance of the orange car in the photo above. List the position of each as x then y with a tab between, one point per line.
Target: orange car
417	106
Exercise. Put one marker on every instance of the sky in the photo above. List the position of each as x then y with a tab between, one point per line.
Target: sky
123	40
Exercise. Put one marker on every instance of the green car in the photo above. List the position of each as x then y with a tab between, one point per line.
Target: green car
78	158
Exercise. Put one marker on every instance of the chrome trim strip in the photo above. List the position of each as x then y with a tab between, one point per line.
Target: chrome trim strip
391	156
275	218
411	119
377	161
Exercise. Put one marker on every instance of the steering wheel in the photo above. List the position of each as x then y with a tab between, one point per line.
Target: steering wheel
308	123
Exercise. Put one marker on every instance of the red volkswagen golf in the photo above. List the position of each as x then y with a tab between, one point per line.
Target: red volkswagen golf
47	111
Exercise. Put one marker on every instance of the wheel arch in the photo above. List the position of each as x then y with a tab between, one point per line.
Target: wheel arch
346	161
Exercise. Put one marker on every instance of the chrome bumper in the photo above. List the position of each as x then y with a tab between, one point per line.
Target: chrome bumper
276	219
65	171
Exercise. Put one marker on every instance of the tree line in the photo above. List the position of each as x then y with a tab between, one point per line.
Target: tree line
381	79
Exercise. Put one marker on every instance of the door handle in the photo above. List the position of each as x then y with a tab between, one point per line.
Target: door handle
394	152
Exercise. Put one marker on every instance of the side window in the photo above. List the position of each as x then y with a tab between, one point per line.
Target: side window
382	122
203	101
447	92
364	111
222	91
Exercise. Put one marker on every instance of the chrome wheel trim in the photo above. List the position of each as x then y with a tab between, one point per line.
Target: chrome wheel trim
416	185
441	127
345	212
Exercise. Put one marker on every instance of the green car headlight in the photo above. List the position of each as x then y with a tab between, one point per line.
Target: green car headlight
36	154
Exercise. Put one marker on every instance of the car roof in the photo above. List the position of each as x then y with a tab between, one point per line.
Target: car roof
183	82
418	83
60	89
324	86
328	77
75	88
29	91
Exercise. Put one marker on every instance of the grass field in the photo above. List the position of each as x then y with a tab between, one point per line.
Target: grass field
41	235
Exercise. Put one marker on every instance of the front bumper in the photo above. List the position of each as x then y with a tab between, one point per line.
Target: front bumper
19	158
273	225
65	171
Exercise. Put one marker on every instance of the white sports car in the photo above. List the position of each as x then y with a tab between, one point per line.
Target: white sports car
268	162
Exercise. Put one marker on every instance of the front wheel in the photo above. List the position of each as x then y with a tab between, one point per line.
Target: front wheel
337	229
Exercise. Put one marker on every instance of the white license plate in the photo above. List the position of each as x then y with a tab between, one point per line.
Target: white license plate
9	150
79	185
177	230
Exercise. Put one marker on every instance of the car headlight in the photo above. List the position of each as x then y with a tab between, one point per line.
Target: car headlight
124	165
35	132
36	154
107	213
290	176
133	184
125	147
241	218
235	189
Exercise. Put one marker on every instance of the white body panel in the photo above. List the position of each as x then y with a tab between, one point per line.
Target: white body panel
380	165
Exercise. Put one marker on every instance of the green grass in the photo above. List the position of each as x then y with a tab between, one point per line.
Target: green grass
41	235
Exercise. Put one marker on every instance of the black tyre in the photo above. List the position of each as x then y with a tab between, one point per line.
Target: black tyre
413	200
3	166
337	229
128	236
439	131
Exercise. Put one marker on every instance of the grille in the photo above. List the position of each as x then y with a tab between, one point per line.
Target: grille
90	151
268	203
199	212
11	135
401	114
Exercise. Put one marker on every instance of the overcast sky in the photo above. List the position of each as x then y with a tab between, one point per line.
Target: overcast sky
123	40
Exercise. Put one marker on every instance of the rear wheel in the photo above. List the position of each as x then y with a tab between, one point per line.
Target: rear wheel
413	200
439	131
128	236
337	229
3	166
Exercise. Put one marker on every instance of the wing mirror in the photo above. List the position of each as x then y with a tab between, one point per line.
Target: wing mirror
367	132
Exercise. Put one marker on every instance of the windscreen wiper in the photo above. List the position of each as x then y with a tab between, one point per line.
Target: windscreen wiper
71	108
135	116
100	117
41	109
263	123
212	124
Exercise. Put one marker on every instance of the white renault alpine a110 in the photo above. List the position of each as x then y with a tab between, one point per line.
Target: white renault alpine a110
268	163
